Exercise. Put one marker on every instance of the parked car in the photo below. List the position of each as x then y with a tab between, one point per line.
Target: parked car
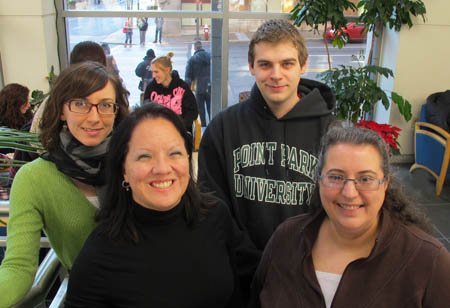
352	32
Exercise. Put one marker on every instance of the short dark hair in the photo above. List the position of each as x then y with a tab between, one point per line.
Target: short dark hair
77	81
12	97
197	45
115	217
87	51
400	207
276	31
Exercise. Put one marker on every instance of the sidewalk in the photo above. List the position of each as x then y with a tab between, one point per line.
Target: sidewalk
188	35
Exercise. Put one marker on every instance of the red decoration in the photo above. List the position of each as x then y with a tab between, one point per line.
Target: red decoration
387	131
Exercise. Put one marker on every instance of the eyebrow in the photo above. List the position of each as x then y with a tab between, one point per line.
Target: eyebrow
283	60
359	172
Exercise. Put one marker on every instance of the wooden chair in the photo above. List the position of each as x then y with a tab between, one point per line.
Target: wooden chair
432	150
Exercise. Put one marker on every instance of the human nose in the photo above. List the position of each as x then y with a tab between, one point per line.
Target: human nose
162	166
93	114
349	190
276	72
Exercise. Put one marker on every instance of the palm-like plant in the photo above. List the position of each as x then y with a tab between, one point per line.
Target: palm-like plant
18	140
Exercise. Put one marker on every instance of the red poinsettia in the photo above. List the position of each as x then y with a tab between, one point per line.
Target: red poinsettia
387	131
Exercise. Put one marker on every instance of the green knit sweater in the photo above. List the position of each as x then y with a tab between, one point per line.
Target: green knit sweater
41	198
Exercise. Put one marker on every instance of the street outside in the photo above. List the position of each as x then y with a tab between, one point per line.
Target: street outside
109	30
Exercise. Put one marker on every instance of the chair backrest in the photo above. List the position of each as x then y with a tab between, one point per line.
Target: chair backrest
423	113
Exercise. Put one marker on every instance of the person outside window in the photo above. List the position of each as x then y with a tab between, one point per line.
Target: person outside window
142	24
128	30
198	72
159	21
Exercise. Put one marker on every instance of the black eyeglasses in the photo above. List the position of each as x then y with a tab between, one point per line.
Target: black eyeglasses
80	105
362	183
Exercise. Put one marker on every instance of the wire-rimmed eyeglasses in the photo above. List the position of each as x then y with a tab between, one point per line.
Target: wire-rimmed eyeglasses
362	183
80	105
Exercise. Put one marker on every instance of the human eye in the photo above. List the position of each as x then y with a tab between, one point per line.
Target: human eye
144	156
263	64
175	154
288	64
366	180
335	178
78	103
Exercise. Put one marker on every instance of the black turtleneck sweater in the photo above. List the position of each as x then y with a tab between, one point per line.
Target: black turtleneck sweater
173	265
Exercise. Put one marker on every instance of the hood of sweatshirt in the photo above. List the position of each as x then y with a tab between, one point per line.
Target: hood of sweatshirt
317	100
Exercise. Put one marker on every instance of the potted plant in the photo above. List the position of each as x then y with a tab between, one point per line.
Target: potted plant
356	89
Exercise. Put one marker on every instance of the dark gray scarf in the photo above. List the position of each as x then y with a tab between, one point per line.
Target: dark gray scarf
83	163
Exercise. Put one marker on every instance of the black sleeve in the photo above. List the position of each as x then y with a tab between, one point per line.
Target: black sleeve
147	93
189	108
88	281
140	70
247	259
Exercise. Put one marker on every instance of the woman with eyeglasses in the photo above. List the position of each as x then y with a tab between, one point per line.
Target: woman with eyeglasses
59	192
363	245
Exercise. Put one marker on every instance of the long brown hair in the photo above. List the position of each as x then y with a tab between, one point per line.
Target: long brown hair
77	81
12	97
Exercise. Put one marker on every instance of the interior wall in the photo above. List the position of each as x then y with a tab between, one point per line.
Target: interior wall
28	42
420	59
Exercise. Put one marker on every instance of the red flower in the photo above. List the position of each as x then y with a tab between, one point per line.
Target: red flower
387	131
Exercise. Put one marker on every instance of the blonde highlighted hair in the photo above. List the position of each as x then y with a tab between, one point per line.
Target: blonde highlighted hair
164	61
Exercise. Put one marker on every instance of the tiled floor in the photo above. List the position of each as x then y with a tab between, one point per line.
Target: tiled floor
421	186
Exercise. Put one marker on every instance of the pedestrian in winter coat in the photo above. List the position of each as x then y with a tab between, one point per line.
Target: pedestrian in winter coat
142	24
198	70
144	69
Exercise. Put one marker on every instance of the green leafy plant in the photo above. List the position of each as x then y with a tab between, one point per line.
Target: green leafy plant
38	96
357	91
324	13
356	88
18	140
388	13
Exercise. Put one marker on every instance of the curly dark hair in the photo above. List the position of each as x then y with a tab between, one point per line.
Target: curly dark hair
12	97
396	202
77	81
276	31
115	216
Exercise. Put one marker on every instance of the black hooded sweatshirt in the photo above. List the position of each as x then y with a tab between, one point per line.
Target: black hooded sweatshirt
178	97
264	167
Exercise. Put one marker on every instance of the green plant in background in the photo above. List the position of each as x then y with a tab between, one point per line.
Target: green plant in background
18	140
38	96
317	13
357	91
391	13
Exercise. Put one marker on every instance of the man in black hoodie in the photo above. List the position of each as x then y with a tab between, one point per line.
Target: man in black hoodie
259	156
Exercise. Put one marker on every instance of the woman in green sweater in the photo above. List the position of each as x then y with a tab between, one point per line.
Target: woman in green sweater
59	191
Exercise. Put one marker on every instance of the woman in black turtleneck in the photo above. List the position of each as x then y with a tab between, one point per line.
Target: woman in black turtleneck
159	243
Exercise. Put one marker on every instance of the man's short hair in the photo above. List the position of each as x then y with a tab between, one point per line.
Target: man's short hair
275	31
197	45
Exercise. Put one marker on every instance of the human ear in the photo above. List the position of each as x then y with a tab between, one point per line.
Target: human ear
304	67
